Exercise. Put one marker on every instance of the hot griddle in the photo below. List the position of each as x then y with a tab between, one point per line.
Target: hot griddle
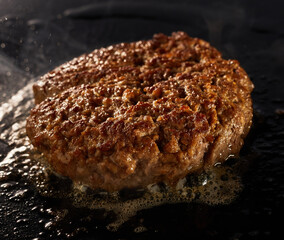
36	36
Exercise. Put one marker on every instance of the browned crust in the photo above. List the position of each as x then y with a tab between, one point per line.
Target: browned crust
143	112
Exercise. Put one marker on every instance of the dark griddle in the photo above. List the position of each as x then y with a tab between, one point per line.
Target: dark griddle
36	36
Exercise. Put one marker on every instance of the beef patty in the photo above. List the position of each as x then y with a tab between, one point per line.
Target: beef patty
138	113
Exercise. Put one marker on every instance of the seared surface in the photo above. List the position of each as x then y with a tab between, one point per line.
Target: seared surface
139	113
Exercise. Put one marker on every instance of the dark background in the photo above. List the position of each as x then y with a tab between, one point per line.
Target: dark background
36	36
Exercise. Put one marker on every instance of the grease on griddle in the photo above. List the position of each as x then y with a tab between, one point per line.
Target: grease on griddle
219	186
